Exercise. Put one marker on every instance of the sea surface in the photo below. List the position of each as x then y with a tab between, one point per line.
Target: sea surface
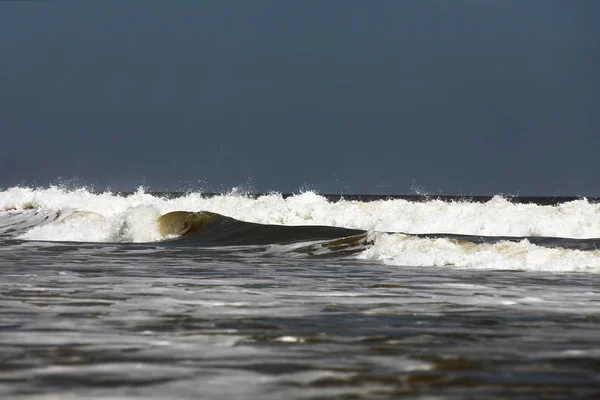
302	296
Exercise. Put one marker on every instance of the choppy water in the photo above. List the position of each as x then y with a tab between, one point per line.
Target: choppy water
297	318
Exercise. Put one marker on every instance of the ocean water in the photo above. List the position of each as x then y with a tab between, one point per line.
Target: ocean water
238	296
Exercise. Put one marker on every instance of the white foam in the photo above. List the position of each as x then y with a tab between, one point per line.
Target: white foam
497	217
133	219
398	249
289	339
134	224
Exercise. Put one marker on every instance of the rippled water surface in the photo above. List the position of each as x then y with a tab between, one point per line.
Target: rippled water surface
163	321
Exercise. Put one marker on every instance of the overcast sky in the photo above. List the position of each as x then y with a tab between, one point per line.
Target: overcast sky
446	97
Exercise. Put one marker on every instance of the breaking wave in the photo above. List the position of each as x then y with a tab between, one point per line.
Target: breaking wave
495	234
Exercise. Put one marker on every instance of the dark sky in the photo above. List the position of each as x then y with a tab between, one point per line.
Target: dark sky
446	97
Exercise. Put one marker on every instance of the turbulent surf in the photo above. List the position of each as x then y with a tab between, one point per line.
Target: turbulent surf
497	233
193	295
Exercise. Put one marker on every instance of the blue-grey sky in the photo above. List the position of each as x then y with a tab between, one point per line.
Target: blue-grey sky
449	97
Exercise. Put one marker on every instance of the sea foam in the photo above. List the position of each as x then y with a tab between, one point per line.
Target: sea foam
132	218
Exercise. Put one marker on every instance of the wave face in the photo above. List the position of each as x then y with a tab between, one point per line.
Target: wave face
211	229
495	234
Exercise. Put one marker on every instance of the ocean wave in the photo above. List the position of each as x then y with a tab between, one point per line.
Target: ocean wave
495	234
496	217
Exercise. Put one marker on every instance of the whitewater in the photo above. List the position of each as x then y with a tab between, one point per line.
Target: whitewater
296	296
83	216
